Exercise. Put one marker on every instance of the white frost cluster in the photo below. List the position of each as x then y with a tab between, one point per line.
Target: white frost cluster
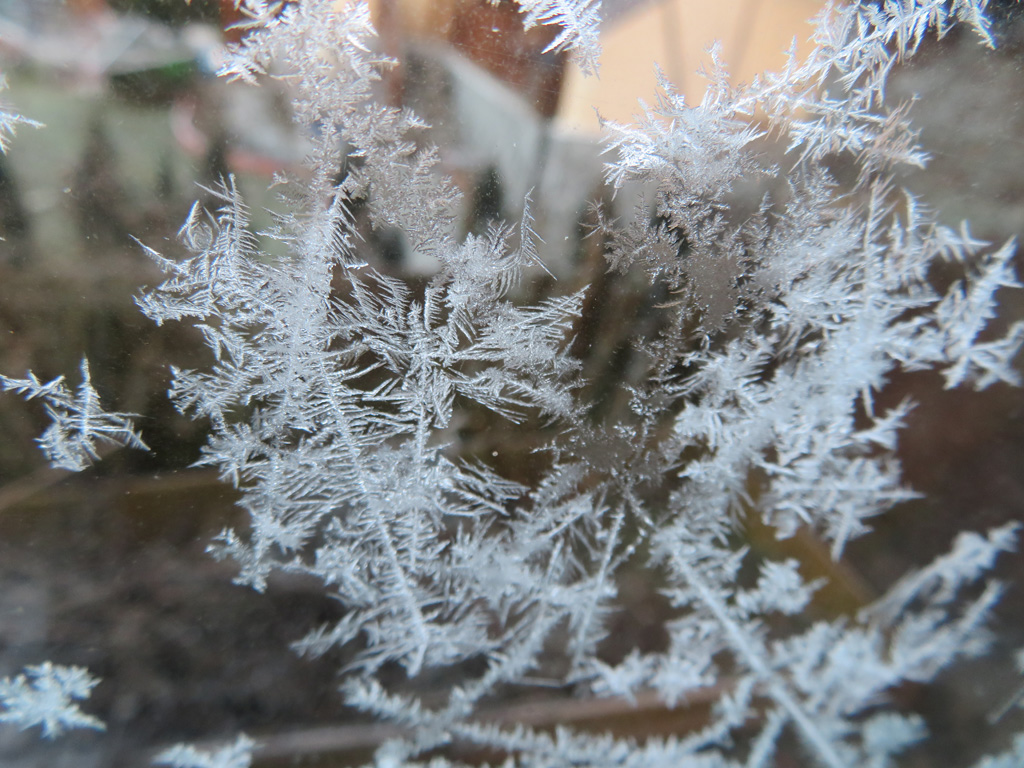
335	388
10	120
578	22
238	754
78	423
46	695
334	392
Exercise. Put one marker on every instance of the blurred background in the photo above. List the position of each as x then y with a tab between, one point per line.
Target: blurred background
107	569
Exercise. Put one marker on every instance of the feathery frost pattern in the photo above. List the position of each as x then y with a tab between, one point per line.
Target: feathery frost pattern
46	695
235	755
580	24
9	121
79	425
757	400
334	389
335	394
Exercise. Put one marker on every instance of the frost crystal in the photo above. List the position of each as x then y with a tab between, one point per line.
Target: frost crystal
336	395
334	391
45	695
79	425
235	755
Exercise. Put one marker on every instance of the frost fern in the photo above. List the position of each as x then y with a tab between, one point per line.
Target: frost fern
334	392
335	388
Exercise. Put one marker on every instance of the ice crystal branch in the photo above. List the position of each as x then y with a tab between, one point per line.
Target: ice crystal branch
353	387
79	425
580	22
335	394
857	46
235	755
46	695
10	120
